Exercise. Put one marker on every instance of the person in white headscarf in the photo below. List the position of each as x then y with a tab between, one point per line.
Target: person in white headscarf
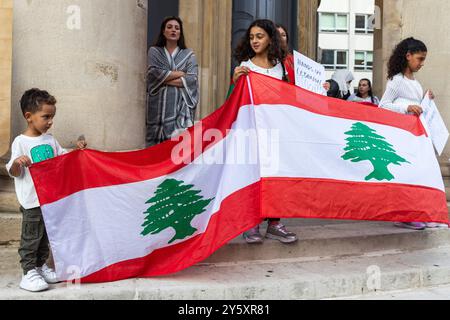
344	79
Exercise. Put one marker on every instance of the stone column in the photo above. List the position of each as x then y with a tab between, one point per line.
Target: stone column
92	56
6	23
307	24
386	37
207	30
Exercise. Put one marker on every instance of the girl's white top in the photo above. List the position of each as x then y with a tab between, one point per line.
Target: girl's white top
275	72
401	92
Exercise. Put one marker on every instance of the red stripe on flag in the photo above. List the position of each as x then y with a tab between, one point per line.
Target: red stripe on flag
333	199
238	213
278	92
285	198
88	169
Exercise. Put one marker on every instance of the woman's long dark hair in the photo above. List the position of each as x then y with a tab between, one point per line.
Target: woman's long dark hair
276	53
358	94
287	35
161	40
398	63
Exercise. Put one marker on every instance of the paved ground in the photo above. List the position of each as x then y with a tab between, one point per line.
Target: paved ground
433	293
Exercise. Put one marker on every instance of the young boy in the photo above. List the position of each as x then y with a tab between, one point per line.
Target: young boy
33	146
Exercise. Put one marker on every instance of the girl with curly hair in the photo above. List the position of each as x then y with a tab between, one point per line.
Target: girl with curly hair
261	50
404	93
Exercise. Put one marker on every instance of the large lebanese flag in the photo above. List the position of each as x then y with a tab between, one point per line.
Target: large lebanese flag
272	150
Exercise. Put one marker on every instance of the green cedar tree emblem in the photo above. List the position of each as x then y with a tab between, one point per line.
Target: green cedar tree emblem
174	205
364	144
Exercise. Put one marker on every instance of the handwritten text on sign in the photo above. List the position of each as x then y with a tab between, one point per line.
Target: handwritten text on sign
309	74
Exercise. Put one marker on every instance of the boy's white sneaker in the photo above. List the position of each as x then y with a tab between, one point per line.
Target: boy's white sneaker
33	282
47	273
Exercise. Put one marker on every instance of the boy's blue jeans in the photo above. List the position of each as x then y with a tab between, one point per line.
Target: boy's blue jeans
34	247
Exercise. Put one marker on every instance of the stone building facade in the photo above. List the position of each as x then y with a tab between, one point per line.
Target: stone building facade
92	56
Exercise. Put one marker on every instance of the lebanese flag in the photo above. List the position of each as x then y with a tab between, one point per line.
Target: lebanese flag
272	150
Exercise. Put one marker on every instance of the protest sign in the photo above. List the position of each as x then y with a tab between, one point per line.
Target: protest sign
309	74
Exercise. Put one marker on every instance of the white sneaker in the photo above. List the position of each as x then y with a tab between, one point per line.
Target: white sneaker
436	225
47	273
33	282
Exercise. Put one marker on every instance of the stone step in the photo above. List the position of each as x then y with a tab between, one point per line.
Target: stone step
317	238
445	167
8	199
441	292
3	171
447	186
445	171
8	202
329	240
270	280
6	184
10	227
332	259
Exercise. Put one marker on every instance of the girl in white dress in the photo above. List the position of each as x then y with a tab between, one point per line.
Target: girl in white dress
404	93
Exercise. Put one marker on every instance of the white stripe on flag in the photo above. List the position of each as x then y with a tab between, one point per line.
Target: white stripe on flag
311	145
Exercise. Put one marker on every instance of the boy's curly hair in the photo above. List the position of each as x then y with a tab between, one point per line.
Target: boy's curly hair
33	99
398	63
276	53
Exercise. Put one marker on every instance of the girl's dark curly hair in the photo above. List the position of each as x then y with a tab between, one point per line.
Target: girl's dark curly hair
161	40
398	63
276	53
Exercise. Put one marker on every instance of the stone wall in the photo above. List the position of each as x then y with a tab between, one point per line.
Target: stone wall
92	56
6	23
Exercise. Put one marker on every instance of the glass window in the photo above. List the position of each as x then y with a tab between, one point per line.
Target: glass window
334	59
359	60
370	24
342	57
363	60
327	21
370	59
360	22
341	23
328	57
363	23
333	22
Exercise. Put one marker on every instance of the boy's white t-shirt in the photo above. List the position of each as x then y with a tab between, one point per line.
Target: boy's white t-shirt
37	149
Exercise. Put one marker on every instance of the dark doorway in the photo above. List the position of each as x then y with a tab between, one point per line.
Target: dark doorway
284	12
157	11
